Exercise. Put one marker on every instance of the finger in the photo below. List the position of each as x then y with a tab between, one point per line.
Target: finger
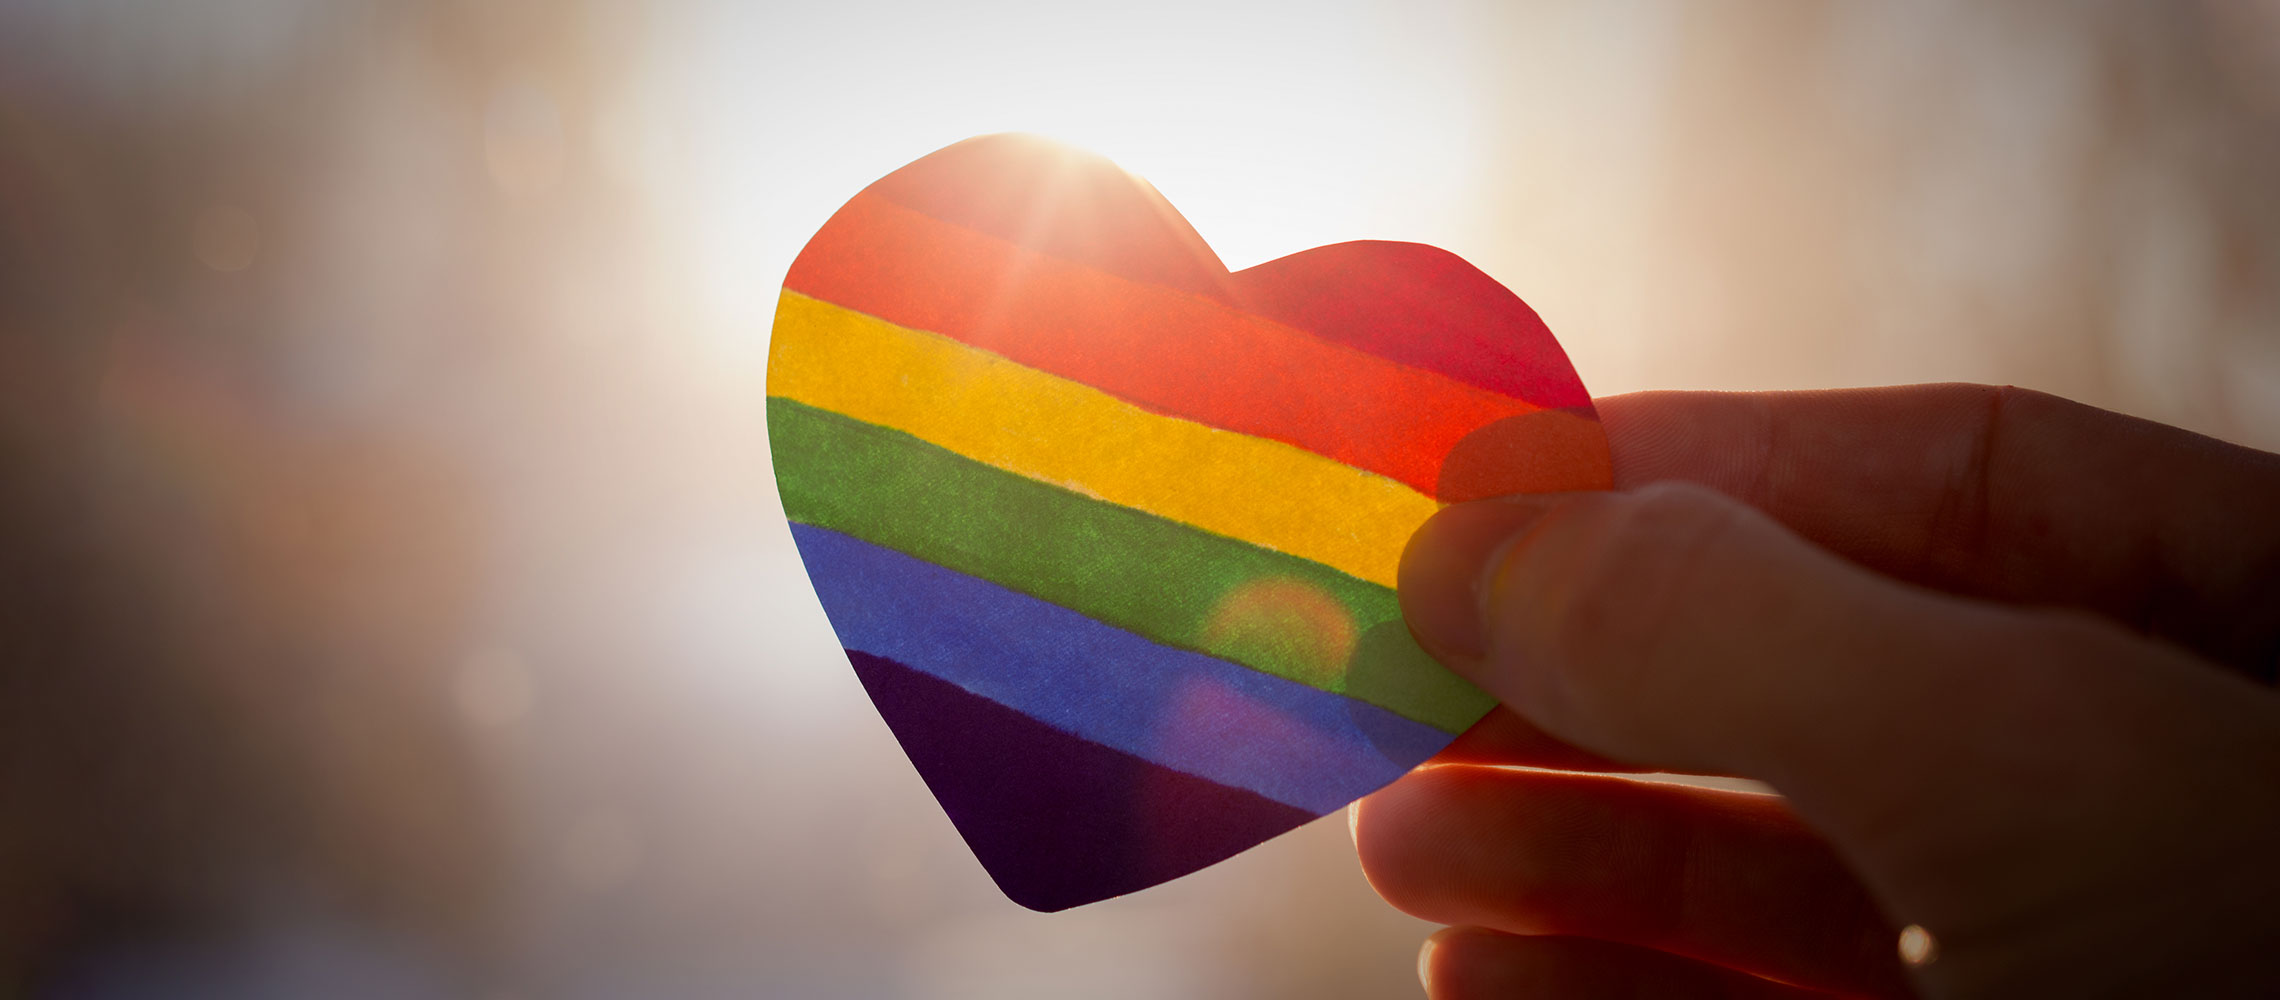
1729	878
1504	738
1995	492
1475	963
1983	769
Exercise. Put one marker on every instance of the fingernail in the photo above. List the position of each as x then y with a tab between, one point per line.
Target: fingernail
1425	962
1442	570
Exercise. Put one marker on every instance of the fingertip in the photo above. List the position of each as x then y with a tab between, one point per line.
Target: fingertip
1463	963
1443	565
1425	959
1442	958
1395	837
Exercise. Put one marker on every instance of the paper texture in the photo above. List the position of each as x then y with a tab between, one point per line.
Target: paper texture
1110	533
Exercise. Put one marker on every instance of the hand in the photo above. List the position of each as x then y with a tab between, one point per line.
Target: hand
2005	658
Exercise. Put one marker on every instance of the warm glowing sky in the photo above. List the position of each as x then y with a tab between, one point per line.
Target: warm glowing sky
1271	132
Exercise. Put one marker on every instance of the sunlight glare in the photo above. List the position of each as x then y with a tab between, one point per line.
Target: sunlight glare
1270	130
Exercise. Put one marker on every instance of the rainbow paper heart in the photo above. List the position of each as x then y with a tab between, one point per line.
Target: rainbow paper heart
1110	533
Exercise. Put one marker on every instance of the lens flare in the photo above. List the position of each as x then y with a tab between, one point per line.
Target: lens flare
1286	621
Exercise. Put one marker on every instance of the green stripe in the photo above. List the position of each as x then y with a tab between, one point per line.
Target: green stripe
1142	573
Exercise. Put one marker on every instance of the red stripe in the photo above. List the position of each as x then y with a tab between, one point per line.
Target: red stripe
1421	306
1061	202
1163	349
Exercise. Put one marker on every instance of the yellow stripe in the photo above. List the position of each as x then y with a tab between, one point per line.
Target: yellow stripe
1072	435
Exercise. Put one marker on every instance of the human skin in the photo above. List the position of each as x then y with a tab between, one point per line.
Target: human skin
2006	659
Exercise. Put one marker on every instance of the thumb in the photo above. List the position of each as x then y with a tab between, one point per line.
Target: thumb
1676	627
1981	766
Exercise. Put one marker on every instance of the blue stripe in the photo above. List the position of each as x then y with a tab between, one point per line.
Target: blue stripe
1204	716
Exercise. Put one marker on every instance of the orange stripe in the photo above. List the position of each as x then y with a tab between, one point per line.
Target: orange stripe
1060	202
1168	351
1056	431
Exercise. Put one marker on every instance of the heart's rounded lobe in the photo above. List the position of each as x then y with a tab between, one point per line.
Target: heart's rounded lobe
1110	533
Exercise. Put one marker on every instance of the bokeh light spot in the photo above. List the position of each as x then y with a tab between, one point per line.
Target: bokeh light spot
1917	946
1297	628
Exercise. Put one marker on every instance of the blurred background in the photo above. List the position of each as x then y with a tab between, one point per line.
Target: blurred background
394	600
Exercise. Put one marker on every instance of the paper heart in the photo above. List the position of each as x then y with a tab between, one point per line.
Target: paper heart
1110	533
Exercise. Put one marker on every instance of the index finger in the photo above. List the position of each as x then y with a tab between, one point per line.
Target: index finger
1993	492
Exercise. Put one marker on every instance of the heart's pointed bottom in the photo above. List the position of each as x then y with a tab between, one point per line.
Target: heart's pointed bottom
1057	820
1381	359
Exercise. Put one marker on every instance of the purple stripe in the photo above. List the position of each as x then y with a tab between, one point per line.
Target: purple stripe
1060	821
1298	745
